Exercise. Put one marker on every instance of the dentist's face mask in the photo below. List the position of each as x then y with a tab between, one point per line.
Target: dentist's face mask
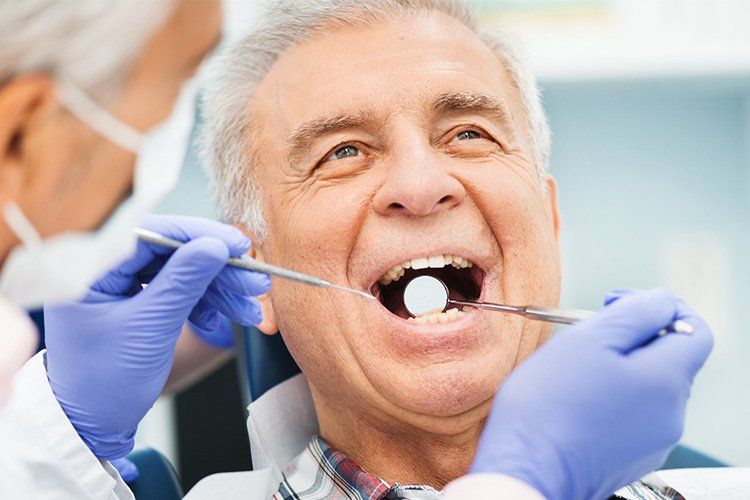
62	267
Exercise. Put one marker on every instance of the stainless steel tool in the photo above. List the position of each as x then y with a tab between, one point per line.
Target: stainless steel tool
426	294
250	264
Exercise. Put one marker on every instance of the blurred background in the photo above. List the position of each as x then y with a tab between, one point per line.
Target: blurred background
649	104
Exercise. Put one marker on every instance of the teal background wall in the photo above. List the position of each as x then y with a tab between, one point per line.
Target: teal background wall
653	179
654	190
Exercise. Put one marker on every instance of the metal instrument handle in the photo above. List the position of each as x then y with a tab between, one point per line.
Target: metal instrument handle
556	315
562	316
251	264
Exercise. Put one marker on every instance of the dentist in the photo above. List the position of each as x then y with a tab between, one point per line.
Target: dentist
96	110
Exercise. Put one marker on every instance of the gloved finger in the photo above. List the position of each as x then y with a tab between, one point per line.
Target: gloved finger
204	317
242	281
687	350
632	320
617	294
150	258
240	309
124	279
185	277
220	337
127	469
185	228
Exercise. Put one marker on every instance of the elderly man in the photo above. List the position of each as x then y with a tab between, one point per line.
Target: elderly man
369	142
373	142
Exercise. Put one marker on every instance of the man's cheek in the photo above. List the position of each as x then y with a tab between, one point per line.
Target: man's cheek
314	335
323	225
530	267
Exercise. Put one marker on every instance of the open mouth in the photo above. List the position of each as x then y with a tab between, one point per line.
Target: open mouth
463	279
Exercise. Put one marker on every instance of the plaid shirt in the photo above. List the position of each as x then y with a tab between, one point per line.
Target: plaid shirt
320	472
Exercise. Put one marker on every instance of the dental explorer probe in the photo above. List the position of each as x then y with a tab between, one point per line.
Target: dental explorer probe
250	264
426	294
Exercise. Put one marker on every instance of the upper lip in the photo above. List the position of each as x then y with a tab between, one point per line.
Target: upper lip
472	256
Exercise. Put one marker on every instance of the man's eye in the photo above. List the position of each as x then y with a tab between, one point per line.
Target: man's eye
467	134
343	152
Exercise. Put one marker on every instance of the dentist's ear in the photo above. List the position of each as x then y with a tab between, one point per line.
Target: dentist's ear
268	325
554	209
25	102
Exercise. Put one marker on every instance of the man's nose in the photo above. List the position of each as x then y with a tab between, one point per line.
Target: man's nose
417	184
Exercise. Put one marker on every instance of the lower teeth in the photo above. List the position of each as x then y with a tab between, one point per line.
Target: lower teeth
440	317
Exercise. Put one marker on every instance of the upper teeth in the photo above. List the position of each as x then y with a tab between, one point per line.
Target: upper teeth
435	261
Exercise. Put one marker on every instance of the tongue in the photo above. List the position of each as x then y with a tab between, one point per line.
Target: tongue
401	311
454	294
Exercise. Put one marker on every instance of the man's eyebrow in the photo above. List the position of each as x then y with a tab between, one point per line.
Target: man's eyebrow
485	104
305	135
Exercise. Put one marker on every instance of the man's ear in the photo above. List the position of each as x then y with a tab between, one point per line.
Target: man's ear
268	325
24	102
553	205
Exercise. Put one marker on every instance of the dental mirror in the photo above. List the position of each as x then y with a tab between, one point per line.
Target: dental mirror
427	294
424	295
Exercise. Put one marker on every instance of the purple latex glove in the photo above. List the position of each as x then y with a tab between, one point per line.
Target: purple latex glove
599	405
127	469
109	355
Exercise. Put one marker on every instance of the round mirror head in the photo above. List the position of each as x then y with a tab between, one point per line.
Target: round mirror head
425	294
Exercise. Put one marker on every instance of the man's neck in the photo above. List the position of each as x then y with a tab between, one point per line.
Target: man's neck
405	455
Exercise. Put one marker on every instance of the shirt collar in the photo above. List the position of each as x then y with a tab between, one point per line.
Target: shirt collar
322	469
281	423
345	471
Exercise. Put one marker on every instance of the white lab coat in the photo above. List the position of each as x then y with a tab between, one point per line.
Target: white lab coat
280	424
17	340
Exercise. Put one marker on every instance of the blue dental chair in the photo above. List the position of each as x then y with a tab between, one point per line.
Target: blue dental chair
157	479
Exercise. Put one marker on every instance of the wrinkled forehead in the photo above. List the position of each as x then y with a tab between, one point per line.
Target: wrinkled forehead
399	66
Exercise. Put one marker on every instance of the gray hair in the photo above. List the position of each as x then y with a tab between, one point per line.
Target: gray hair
89	42
231	78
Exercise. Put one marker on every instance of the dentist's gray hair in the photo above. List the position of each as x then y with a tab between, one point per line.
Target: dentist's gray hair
90	42
227	148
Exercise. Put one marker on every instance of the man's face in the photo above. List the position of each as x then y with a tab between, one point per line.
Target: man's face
403	141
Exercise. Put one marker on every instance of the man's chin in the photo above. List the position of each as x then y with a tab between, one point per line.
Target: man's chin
442	391
437	370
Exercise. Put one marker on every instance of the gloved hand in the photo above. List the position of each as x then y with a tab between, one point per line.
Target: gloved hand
601	403
109	355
